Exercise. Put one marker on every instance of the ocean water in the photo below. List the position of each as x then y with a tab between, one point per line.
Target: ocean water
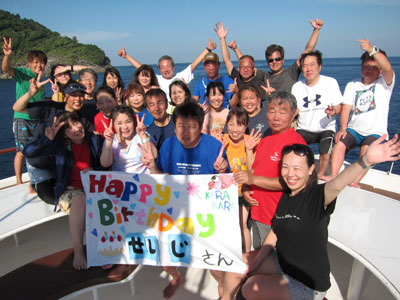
343	69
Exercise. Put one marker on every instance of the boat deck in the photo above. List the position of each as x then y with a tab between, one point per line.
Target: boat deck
150	281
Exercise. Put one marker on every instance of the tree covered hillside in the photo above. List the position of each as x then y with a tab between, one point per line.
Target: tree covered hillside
29	35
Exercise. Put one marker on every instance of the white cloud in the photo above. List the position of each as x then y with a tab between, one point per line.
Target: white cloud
97	36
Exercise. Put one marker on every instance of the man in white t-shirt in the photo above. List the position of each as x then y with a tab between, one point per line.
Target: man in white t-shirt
368	100
167	67
319	100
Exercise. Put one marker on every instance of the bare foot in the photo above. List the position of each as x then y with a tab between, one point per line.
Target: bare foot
107	267
79	262
326	177
169	291
31	190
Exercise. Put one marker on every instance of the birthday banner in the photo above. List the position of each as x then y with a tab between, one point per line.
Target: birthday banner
163	220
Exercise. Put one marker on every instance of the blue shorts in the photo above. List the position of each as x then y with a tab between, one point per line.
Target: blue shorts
353	139
23	132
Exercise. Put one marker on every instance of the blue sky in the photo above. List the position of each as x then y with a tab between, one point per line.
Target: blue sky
181	28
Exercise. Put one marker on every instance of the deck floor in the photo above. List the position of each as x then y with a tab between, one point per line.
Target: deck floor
54	236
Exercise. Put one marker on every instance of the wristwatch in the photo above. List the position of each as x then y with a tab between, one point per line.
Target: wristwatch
375	50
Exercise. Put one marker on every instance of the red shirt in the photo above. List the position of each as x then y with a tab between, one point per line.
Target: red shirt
266	163
81	162
99	125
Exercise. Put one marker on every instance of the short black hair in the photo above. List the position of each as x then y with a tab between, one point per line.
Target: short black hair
156	93
272	48
316	53
189	110
365	56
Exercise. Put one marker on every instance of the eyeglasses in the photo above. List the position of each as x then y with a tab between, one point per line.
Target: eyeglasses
274	59
301	150
62	74
246	67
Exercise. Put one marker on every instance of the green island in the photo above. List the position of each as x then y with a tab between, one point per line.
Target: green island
29	35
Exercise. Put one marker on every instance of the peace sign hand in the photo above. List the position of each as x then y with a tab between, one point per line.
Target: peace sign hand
140	127
7	47
54	86
269	90
252	140
147	157
108	131
220	164
36	85
51	132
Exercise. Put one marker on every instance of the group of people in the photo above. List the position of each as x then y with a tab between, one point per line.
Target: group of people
253	123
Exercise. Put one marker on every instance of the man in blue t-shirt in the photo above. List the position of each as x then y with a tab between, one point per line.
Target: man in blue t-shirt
188	152
162	126
211	66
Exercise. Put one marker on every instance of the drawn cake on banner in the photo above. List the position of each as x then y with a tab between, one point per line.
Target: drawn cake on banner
165	220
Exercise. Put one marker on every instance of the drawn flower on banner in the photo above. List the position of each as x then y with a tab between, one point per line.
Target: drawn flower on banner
192	189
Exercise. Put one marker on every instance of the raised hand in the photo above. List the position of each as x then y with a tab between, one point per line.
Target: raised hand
317	23
247	193
220	164
233	45
118	91
140	127
204	106
54	86
365	45
211	44
7	46
252	140
380	151
147	157
108	131
269	90
221	32
233	87
36	84
51	131
122	52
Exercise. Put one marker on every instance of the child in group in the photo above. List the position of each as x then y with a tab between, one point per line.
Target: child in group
75	150
179	94
112	78
121	150
162	127
135	98
215	117
105	99
23	126
146	77
240	149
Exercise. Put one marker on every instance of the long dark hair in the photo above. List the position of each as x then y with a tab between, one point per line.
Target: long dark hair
66	117
114	71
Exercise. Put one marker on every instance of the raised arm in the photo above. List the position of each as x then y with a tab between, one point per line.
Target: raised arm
222	33
122	52
7	50
235	49
381	59
379	151
210	47
312	42
34	87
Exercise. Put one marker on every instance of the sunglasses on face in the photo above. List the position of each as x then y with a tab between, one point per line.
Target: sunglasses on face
274	59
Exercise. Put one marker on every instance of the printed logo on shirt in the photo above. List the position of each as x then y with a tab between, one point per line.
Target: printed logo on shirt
275	157
260	127
308	101
365	101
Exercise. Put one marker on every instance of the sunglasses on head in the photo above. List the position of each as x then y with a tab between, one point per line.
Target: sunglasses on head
274	59
301	150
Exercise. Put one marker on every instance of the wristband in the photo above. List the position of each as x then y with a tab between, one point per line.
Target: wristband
208	49
146	140
375	50
361	162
